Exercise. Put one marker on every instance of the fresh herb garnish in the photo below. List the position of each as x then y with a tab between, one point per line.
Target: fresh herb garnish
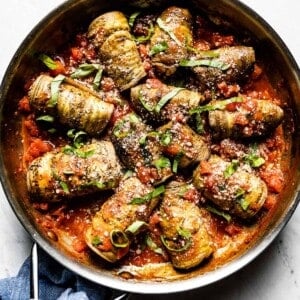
220	213
180	243
146	198
48	61
253	158
46	118
166	138
142	39
166	98
162	162
231	168
132	18
218	105
54	88
159	47
176	161
135	227
213	63
96	241
165	28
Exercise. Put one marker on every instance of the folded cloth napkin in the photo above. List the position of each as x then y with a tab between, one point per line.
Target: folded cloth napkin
55	282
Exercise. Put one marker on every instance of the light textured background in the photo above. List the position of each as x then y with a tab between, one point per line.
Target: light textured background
275	274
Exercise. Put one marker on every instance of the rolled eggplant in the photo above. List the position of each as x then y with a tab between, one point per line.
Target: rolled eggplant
120	218
73	107
117	49
183	231
138	147
182	143
229	64
73	172
232	186
245	119
159	103
173	30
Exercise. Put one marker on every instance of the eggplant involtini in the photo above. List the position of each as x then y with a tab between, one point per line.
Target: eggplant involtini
183	231
182	160
71	172
117	49
74	107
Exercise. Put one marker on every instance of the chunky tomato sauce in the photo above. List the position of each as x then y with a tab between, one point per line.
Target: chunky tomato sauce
65	221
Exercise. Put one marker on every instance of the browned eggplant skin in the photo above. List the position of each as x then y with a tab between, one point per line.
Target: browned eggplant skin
179	105
239	62
258	120
176	32
57	175
178	214
117	49
118	213
75	108
137	148
184	143
241	193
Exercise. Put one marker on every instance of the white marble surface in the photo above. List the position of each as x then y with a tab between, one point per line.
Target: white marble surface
275	274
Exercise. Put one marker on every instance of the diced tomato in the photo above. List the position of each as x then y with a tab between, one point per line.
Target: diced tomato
122	252
79	245
36	148
233	229
154	83
146	174
24	105
270	201
205	167
107	84
60	68
274	179
173	149
143	51
31	127
76	53
241	119
191	195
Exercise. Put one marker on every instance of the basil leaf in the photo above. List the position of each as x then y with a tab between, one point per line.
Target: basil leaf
244	203
157	48
97	79
46	118
48	61
84	70
135	227
166	138
153	194
96	241
64	187
132	18
153	246
220	213
166	98
213	63
231	168
144	103
219	105
54	88
162	162
176	162
163	27
142	39
119	239
253	158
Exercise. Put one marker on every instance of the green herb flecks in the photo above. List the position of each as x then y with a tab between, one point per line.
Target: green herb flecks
253	158
142	39
218	212
165	28
48	61
54	88
153	194
162	162
96	241
218	105
166	98
213	63
158	48
231	168
176	162
132	18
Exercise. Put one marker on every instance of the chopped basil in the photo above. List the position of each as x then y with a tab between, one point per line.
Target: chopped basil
204	53
183	240
96	241
142	39
46	118
48	61
146	198
220	213
119	239
253	158
219	105
231	168
64	187
164	100
166	138
79	137
213	63
163	27
135	227
144	103
162	162
132	18
157	48
240	193
176	161
244	203
84	70
75	151
97	79
153	246
54	88
128	174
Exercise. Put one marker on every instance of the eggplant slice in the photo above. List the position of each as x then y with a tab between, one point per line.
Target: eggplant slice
120	218
69	173
74	107
183	231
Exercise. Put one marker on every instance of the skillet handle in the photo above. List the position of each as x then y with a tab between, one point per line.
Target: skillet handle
34	275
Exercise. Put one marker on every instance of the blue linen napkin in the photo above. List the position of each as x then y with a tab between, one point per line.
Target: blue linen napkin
55	282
